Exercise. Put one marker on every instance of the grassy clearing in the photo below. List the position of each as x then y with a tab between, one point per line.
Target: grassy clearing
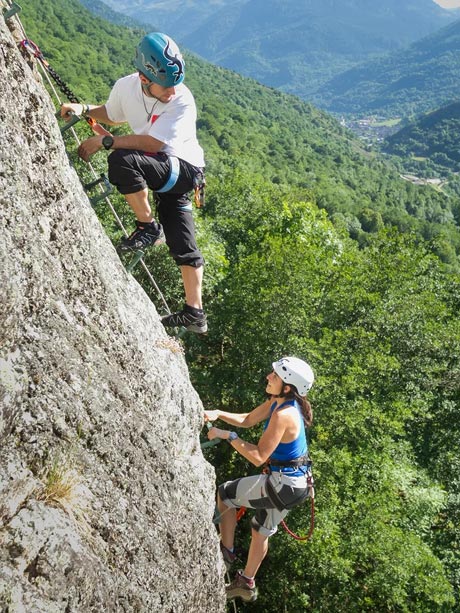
389	123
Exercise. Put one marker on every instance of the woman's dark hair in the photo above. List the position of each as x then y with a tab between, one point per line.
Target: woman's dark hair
305	406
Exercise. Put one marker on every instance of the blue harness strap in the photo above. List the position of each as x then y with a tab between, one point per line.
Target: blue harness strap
173	175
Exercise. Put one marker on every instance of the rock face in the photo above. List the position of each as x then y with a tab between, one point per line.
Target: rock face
106	501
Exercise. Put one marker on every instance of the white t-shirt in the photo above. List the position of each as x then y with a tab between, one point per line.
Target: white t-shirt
173	123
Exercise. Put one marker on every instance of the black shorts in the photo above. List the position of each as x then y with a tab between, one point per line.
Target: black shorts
133	171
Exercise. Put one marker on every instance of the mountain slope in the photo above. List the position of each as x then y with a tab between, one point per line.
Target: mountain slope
295	47
434	137
412	81
243	124
378	321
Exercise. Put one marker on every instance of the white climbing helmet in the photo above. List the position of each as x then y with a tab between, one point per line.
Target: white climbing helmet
295	372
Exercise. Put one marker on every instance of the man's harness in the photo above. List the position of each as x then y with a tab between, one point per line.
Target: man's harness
199	181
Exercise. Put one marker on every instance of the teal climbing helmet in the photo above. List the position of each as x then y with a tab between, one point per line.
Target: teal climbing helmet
159	59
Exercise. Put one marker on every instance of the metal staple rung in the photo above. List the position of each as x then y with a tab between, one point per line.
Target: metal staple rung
15	8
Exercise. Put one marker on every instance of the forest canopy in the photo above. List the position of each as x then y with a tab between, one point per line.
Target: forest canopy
317	249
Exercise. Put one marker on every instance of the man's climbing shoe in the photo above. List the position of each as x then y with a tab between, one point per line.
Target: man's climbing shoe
241	587
192	319
145	235
229	556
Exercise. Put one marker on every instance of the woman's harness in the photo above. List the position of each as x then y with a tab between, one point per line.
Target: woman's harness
295	463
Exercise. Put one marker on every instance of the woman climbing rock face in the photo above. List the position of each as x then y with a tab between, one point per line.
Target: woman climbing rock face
283	447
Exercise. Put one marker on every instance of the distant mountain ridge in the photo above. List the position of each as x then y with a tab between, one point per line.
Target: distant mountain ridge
412	81
101	9
295	47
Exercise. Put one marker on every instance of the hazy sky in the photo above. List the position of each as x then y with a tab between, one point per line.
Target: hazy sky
448	4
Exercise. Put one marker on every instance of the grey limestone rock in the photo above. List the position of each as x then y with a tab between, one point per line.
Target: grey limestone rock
106	501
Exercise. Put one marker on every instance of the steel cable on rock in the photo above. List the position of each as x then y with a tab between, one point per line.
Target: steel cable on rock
46	71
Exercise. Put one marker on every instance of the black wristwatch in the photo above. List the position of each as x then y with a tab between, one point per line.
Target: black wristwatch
107	141
232	436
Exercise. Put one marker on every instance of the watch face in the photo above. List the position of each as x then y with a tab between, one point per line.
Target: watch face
107	141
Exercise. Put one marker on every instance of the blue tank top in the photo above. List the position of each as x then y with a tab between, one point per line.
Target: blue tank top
296	448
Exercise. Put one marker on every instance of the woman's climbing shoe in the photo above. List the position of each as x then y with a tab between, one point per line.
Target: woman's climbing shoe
242	587
229	556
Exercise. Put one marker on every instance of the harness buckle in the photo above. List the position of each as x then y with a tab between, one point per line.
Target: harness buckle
199	183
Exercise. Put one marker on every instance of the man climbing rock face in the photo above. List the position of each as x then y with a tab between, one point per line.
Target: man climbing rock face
162	154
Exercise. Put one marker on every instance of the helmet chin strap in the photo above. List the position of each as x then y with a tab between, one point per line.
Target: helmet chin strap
146	87
282	394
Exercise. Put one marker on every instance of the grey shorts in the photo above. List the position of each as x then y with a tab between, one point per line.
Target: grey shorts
251	492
